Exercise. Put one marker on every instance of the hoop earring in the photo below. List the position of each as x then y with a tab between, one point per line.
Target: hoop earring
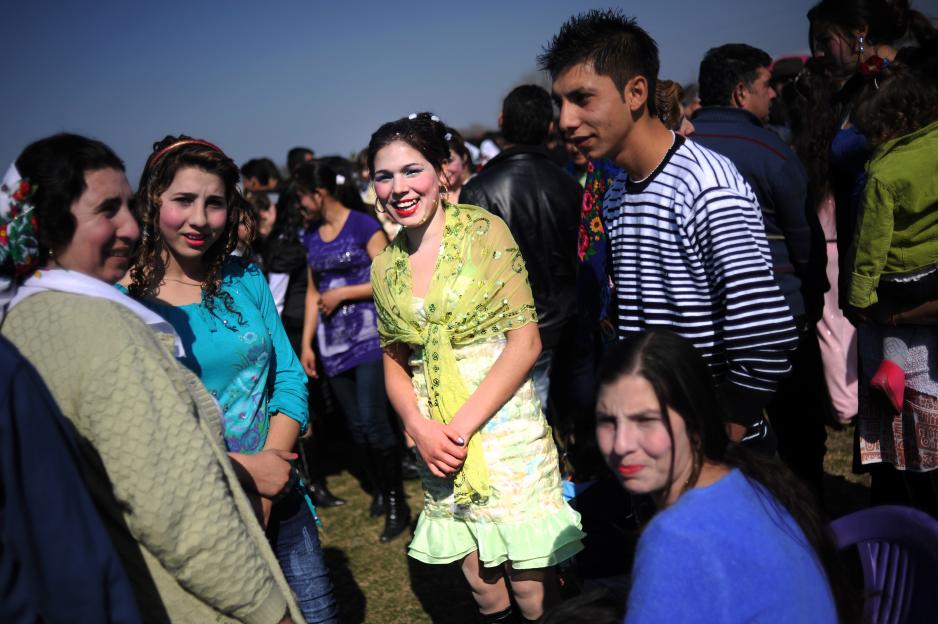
379	208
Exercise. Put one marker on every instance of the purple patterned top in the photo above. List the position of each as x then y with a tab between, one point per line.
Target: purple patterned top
350	336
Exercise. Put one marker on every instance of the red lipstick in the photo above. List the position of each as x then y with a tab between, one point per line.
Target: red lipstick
629	469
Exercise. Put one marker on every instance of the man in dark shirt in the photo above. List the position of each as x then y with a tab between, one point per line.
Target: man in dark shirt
735	97
540	203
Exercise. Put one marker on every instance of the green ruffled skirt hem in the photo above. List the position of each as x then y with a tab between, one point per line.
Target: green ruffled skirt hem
527	545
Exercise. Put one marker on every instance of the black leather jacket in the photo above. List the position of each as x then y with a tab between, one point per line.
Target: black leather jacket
540	202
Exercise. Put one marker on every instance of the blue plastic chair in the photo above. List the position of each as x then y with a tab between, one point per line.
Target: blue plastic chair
898	548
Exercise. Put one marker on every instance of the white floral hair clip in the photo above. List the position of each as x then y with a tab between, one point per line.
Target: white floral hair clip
339	178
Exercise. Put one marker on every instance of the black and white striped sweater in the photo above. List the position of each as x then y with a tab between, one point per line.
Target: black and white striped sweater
689	253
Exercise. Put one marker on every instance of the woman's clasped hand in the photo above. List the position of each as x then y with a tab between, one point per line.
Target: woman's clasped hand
441	447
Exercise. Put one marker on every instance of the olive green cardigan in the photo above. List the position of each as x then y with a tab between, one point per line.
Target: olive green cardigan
152	456
898	226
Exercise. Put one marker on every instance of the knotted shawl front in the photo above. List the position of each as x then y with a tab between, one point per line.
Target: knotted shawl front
479	289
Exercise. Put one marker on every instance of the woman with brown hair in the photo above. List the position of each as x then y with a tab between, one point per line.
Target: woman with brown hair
222	307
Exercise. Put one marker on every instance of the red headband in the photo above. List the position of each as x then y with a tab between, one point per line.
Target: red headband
156	157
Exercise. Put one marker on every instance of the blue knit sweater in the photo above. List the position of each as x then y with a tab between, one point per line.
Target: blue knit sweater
727	552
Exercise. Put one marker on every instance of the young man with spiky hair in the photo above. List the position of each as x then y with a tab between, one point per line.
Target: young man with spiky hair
687	240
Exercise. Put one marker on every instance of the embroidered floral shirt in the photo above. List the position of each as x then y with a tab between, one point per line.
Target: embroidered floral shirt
244	358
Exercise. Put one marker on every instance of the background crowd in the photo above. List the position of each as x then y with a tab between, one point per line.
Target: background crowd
672	289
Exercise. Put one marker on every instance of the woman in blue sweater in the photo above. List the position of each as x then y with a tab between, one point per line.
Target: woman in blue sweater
222	308
735	539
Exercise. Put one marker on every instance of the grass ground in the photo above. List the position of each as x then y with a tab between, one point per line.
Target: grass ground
378	583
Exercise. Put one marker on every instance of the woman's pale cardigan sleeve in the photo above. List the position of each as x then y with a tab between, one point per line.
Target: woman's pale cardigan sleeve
164	469
146	418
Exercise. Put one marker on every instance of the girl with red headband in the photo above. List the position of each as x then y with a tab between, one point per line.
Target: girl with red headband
189	207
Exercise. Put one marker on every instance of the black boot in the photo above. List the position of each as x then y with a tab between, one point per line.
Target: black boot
409	468
379	505
311	455
367	458
397	517
507	616
322	497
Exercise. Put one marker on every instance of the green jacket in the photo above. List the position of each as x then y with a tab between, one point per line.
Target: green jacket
898	227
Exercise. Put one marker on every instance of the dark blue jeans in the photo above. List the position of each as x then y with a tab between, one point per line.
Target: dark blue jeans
294	537
360	392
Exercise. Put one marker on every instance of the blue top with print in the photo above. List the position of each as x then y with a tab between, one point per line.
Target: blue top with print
244	358
349	336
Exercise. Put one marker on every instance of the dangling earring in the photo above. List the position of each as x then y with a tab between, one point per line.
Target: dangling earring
860	47
378	207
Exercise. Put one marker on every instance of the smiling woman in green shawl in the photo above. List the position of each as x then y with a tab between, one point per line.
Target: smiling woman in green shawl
459	330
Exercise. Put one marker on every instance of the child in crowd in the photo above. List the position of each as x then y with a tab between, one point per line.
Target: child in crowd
896	250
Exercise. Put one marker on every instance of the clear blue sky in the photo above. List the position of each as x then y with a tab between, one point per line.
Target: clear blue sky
260	77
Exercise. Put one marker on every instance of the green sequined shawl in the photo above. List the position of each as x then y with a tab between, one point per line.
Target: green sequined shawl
479	289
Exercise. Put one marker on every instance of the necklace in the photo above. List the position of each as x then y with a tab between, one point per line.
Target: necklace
183	282
655	168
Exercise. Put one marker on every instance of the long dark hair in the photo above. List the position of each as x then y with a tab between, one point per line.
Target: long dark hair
884	23
814	118
682	381
289	222
150	264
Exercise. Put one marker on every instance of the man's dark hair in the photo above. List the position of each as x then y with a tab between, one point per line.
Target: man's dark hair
613	44
526	115
297	156
263	169
724	67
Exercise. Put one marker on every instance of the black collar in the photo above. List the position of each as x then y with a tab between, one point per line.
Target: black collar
638	187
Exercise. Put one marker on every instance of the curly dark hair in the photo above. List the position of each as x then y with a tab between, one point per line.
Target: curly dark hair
898	101
682	381
150	264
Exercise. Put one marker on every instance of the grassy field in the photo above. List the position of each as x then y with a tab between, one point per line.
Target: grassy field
378	583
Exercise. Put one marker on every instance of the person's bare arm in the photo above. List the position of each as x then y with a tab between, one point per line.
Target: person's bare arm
310	321
331	299
924	314
442	454
501	382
